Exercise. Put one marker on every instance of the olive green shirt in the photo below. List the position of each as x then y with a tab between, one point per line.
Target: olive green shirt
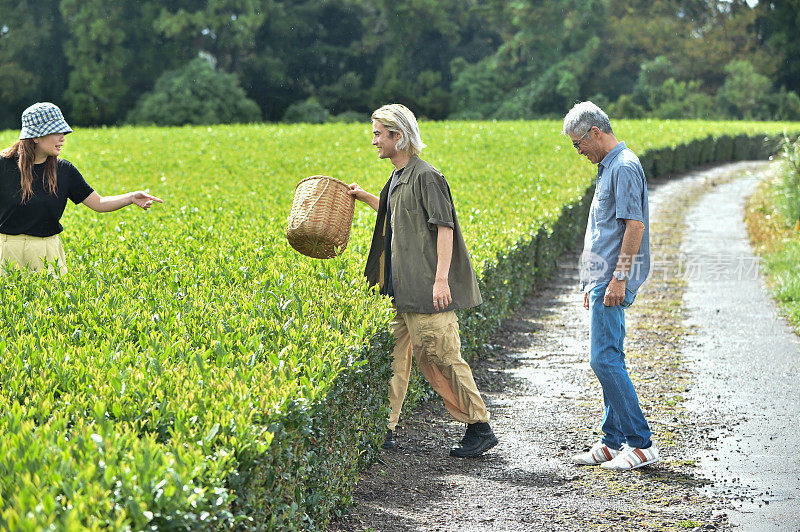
421	201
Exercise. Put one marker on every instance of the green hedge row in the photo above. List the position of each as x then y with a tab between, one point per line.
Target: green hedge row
202	376
712	149
311	466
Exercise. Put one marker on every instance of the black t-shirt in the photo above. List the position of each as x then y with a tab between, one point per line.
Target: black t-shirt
388	285
40	216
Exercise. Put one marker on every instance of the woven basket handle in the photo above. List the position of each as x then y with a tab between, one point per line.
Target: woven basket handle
292	226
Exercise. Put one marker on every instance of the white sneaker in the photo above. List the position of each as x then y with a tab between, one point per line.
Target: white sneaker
631	458
598	454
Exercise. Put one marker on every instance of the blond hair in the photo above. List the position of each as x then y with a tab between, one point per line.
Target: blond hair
397	118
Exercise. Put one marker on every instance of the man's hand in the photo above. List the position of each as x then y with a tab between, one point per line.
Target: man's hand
441	294
362	195
444	253
615	293
586	300
357	191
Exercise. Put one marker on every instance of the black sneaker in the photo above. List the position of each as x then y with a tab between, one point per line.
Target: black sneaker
389	442
478	439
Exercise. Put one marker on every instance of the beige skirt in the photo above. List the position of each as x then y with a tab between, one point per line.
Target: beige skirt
32	252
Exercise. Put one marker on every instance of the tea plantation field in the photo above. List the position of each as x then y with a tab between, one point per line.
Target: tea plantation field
193	371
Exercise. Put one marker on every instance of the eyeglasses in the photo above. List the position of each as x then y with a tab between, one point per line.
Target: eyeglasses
577	143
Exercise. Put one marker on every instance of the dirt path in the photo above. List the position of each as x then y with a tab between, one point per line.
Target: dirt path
748	361
546	405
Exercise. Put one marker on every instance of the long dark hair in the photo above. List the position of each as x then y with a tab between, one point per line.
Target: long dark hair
24	151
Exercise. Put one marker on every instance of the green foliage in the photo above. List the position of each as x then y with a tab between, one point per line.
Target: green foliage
225	28
474	89
547	95
788	189
195	94
777	24
681	99
774	223
469	60
113	56
190	328
782	268
350	117
415	63
192	371
347	92
657	93
32	65
745	92
653	75
541	68
556	55
786	105
626	107
309	111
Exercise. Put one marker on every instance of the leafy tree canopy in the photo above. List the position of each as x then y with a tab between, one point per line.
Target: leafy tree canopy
443	58
195	94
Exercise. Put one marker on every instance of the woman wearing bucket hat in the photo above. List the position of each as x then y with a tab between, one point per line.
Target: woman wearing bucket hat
34	188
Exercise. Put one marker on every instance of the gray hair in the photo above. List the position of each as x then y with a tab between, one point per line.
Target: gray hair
397	118
583	117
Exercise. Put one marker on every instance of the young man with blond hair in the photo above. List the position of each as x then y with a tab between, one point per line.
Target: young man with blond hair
419	259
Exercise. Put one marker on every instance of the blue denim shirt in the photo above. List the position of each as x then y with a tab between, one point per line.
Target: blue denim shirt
620	194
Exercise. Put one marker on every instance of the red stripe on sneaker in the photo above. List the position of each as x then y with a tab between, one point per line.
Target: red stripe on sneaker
607	453
629	462
640	454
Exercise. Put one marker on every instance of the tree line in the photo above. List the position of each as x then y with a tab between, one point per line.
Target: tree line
205	61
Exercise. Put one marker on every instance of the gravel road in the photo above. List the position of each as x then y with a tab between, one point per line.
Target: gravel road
546	405
747	362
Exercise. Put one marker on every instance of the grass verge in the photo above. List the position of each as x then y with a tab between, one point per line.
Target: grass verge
776	239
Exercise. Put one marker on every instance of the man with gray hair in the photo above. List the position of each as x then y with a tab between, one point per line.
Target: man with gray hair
419	259
614	264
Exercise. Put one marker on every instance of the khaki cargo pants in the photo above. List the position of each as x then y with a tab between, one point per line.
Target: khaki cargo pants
31	252
434	341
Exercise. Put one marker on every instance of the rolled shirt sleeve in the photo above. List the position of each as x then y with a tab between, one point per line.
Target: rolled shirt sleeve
629	192
436	201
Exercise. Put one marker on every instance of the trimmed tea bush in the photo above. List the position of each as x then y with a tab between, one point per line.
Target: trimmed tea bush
192	371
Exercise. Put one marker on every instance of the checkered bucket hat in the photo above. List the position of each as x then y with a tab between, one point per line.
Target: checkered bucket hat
42	119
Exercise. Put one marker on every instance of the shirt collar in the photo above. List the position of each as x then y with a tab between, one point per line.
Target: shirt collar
610	156
407	169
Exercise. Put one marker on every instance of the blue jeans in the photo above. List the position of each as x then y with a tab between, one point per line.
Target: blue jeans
623	421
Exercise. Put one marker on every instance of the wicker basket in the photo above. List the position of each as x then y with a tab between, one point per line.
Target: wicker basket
321	217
